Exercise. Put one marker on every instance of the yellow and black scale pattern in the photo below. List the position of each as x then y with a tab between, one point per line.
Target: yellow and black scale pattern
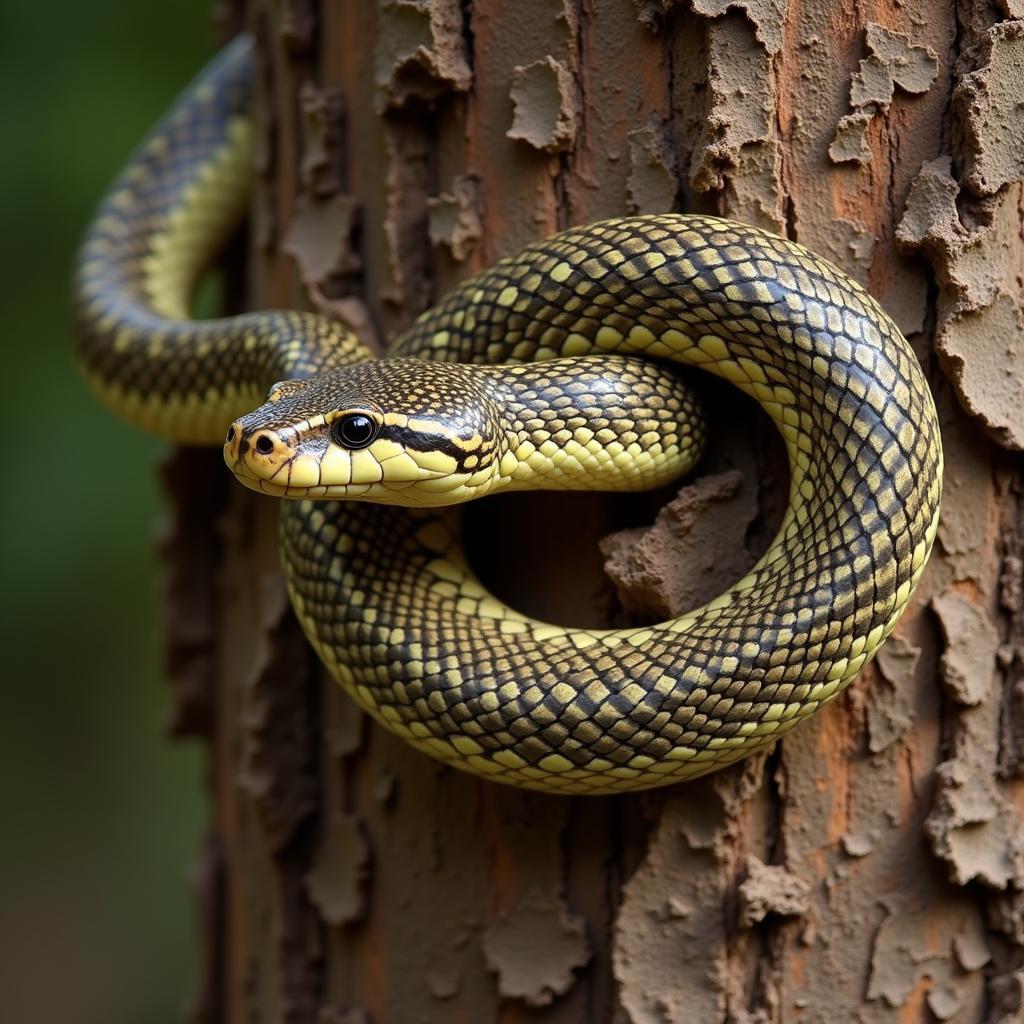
160	225
385	594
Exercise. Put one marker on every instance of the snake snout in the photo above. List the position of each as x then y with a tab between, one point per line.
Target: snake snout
262	448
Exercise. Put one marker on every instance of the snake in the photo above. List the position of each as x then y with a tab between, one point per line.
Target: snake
554	368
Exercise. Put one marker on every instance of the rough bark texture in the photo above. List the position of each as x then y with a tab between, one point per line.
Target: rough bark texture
871	867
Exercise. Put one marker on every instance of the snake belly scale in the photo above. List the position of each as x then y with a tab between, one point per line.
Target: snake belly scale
545	370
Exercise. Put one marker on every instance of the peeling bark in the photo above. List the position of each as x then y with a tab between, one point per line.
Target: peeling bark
871	867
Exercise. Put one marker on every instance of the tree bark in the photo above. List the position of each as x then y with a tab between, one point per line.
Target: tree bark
871	866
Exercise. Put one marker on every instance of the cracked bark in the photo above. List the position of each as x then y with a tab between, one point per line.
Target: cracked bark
871	867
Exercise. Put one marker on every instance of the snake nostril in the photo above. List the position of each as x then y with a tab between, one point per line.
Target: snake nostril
264	444
231	435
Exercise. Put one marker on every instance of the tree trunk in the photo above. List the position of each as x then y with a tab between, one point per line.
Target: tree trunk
871	866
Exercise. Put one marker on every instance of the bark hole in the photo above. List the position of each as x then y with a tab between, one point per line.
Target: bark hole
557	556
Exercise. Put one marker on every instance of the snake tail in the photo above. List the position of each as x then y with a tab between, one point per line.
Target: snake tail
160	225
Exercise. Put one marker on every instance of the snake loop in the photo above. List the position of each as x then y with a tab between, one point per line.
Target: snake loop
546	370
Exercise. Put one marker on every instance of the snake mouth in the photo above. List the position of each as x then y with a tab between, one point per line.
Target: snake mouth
387	492
318	492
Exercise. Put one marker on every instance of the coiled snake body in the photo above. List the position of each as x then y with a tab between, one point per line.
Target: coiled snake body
479	394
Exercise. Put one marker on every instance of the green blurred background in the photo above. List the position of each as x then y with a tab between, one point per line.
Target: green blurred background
102	814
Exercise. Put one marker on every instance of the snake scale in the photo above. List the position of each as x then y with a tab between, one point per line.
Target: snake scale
546	370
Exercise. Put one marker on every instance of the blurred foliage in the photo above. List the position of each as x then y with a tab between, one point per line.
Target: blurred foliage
101	813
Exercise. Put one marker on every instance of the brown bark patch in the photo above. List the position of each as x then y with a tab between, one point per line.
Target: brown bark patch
765	15
420	53
544	105
738	150
534	949
322	164
689	554
972	826
971	644
652	184
988	106
892	61
320	238
770	889
890	710
983	353
454	217
980	338
336	883
935	943
279	771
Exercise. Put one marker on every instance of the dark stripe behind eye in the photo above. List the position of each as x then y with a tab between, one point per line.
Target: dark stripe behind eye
419	441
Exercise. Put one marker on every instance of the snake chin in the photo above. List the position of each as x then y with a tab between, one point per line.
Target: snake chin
316	492
304	478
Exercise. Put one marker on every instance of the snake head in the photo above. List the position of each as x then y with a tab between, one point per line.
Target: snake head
420	433
401	432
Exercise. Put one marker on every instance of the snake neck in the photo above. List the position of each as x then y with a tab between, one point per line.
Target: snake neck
602	424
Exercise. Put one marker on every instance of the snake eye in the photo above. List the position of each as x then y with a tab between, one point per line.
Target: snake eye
356	430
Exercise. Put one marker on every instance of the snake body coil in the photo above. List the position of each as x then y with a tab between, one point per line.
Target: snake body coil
385	594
